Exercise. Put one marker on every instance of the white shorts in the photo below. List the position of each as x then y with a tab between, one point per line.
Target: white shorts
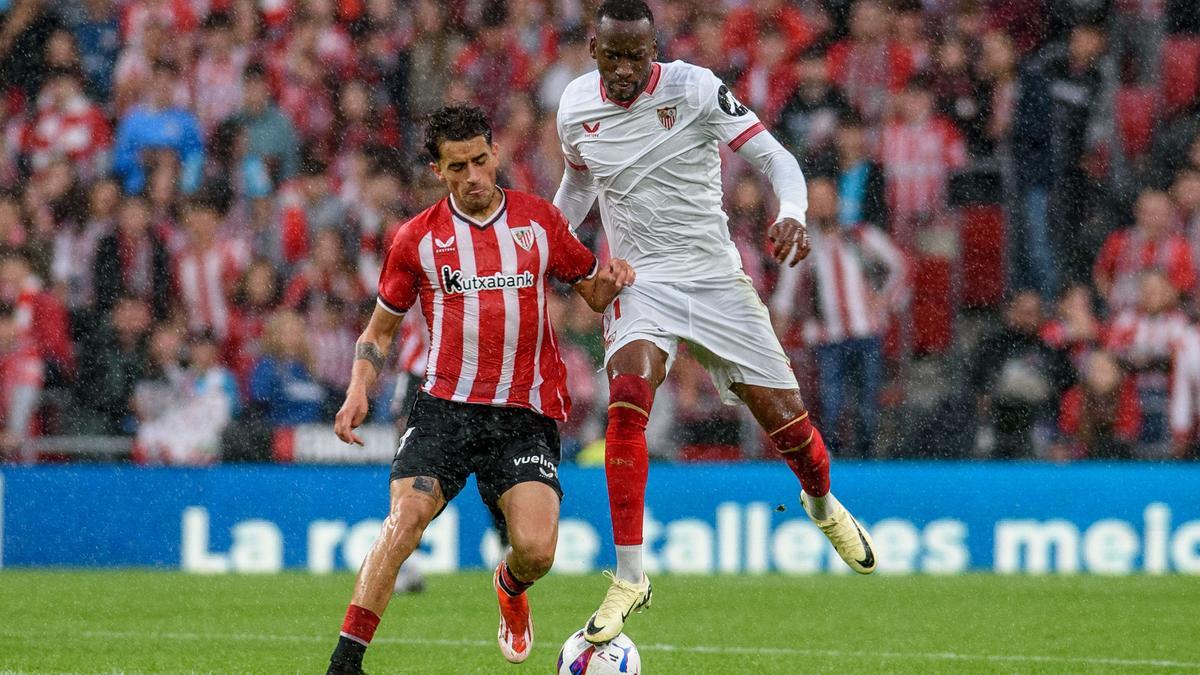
726	326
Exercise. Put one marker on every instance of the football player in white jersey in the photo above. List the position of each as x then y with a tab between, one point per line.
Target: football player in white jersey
643	138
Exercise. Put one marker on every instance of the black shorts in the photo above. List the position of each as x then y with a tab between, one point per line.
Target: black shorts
502	446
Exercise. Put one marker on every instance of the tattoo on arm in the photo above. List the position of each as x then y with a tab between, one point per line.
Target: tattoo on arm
369	352
426	484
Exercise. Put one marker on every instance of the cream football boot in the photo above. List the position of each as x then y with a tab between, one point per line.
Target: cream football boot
623	598
849	539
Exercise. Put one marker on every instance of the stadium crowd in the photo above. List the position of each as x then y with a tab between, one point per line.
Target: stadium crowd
1005	197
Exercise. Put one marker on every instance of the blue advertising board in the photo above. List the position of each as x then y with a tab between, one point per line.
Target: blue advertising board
939	518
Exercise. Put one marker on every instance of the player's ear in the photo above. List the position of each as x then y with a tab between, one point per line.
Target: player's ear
496	151
592	47
437	171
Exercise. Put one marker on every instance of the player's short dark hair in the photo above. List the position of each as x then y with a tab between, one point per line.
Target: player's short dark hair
458	122
624	10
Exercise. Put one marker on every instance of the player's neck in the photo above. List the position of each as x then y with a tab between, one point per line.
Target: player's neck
485	214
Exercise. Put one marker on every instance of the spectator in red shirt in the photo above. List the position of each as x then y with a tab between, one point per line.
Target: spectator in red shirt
40	316
327	275
1100	417
745	28
21	376
868	66
207	268
769	81
1153	243
68	125
493	64
256	298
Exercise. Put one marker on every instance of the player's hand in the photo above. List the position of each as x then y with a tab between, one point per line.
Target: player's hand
610	280
790	238
352	414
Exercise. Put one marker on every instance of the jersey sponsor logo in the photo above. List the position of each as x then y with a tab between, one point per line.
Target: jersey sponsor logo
591	129
523	236
729	103
444	244
453	281
666	117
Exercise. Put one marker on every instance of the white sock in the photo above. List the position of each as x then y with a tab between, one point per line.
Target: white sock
629	563
822	508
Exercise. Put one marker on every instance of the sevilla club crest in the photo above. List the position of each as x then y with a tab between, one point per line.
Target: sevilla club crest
523	236
666	116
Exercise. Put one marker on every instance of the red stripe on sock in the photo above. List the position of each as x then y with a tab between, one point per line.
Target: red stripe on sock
360	623
510	583
626	459
811	462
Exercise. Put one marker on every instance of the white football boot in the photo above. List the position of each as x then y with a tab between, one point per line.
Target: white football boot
849	539
623	598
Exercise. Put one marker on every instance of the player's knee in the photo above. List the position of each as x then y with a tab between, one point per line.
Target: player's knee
630	393
537	558
404	526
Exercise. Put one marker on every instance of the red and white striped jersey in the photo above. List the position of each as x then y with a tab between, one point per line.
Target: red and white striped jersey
1128	253
1137	338
482	287
205	279
839	290
917	161
413	355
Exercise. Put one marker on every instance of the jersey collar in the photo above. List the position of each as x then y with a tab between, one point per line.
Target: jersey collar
651	85
481	224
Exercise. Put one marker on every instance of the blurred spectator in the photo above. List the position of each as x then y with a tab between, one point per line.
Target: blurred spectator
68	125
573	60
959	96
28	25
270	133
1151	340
1058	119
75	247
162	381
99	40
310	207
432	58
1153	243
705	47
217	78
40	316
207	376
862	195
747	27
256	298
133	261
868	66
134	79
843	299
328	276
747	211
162	126
116	361
1100	417
1018	381
1076	329
21	376
207	268
492	64
919	153
770	79
331	342
809	118
282	384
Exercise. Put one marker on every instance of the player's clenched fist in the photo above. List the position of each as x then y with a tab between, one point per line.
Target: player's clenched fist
790	238
617	272
610	279
352	414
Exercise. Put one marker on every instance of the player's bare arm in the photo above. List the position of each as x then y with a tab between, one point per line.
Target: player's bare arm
603	287
369	354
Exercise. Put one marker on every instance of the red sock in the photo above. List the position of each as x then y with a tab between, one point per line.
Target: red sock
360	624
626	461
804	451
509	583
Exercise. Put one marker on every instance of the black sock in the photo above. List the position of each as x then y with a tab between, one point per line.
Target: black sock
348	655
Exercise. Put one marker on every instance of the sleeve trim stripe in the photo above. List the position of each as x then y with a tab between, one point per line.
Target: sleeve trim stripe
577	167
388	308
740	140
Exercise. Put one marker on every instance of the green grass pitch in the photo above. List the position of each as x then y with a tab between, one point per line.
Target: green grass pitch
145	621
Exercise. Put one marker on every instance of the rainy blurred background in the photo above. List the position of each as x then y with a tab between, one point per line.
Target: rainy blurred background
195	196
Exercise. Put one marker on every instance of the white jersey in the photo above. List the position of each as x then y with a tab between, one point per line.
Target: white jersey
656	167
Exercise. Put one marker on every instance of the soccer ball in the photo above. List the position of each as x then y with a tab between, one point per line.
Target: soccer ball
580	657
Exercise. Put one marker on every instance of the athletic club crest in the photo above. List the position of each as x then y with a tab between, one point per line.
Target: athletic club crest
523	236
666	116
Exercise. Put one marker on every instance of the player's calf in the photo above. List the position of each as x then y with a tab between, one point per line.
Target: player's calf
804	450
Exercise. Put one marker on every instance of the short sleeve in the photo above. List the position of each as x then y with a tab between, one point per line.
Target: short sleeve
570	261
399	280
725	117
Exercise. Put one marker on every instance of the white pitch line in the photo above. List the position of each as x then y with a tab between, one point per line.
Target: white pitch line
660	647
